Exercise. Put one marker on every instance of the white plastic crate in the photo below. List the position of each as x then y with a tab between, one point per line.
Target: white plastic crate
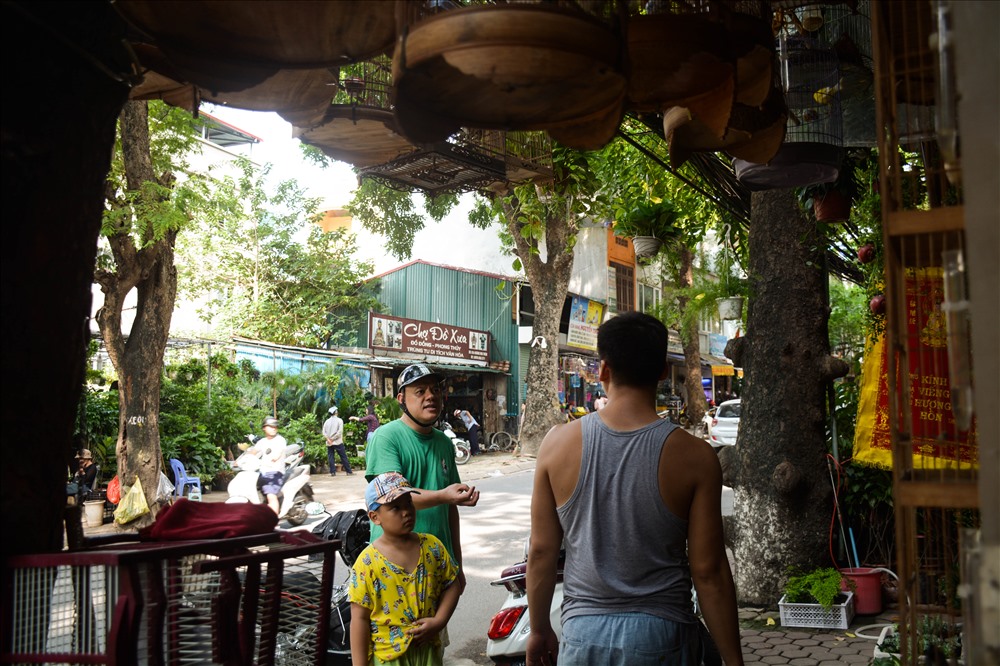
837	616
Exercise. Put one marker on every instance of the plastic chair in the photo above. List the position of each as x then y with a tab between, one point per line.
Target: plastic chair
181	479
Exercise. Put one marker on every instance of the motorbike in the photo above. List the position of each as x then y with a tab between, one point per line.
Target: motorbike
296	492
462	449
353	529
507	636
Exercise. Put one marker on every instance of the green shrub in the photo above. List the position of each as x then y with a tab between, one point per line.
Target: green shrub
820	586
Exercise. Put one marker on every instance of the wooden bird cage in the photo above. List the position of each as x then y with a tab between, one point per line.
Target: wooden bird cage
932	427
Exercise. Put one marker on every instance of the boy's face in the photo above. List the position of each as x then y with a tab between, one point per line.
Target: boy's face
396	517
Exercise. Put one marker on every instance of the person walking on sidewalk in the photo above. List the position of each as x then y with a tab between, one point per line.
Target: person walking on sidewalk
333	430
411	446
471	427
603	485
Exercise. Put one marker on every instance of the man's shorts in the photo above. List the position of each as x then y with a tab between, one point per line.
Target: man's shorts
272	482
629	639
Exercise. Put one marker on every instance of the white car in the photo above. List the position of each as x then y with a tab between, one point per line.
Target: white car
725	425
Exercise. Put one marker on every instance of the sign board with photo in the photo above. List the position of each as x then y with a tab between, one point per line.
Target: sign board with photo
411	336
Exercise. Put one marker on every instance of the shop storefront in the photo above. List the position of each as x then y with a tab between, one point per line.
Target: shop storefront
460	355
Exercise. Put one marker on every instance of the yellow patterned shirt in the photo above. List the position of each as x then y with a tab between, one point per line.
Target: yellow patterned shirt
397	598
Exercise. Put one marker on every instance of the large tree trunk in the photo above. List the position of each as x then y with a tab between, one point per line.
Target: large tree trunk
549	279
689	340
139	358
782	488
57	142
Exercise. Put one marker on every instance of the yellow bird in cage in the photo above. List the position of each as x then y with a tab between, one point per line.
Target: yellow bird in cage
826	95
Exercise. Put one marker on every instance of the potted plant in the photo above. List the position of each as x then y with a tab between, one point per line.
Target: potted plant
815	599
648	225
934	636
731	288
831	202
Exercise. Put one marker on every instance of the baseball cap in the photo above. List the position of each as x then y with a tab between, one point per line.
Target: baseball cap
386	488
333	410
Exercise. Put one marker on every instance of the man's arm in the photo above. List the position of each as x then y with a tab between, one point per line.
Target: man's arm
543	557
710	570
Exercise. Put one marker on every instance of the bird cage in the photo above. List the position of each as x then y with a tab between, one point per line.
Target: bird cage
472	159
359	127
935	452
809	72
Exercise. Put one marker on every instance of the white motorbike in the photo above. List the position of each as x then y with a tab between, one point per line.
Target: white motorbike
509	629
507	643
462	449
295	495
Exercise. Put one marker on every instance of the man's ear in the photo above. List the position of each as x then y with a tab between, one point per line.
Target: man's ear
666	372
603	372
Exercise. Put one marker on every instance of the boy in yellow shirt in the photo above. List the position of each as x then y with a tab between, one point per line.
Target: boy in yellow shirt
402	588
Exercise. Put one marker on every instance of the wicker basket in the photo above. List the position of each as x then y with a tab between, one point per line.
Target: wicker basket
837	616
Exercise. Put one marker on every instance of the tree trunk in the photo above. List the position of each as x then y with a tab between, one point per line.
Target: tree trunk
782	487
549	279
689	341
56	152
139	358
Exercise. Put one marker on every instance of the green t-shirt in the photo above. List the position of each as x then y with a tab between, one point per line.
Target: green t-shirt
427	461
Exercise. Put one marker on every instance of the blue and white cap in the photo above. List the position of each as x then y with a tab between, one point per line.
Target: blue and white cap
386	488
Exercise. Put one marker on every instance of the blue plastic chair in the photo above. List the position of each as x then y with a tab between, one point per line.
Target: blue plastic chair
181	479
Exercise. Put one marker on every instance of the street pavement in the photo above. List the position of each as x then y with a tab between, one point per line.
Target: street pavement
765	641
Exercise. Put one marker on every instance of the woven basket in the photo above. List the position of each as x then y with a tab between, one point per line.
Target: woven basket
837	616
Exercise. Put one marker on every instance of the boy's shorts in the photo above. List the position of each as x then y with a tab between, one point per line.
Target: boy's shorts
272	482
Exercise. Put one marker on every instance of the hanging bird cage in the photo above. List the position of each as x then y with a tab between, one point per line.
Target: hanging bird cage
510	66
359	126
472	159
809	72
928	411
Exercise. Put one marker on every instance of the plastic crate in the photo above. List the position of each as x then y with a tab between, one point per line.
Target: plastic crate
837	616
255	599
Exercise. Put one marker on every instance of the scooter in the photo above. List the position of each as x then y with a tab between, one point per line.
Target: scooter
509	629
295	493
462	449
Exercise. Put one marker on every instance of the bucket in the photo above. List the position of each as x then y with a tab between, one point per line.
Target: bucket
94	511
867	589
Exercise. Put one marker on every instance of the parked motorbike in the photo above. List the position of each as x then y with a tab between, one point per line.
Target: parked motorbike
462	449
296	492
510	628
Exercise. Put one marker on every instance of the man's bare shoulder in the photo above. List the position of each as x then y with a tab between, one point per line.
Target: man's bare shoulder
560	438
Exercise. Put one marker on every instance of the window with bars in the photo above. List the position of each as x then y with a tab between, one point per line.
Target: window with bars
624	287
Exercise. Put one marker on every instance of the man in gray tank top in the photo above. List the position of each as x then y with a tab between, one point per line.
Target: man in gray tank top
636	503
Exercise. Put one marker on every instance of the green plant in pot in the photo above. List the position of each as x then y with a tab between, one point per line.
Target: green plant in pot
649	224
819	586
831	202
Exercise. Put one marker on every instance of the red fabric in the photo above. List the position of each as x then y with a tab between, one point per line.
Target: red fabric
185	520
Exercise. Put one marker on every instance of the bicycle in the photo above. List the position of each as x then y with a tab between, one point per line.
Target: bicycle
502	441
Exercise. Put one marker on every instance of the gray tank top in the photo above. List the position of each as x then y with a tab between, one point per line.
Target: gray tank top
625	551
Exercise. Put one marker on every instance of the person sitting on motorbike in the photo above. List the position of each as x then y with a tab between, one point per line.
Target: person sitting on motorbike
271	450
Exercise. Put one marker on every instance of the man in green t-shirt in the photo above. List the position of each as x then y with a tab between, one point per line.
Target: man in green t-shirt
424	455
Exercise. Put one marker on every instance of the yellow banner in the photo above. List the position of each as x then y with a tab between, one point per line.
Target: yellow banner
723	370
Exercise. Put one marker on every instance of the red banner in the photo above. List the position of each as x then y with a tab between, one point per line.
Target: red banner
936	440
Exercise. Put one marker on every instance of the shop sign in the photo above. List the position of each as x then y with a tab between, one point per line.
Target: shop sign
717	344
674	344
411	336
585	316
